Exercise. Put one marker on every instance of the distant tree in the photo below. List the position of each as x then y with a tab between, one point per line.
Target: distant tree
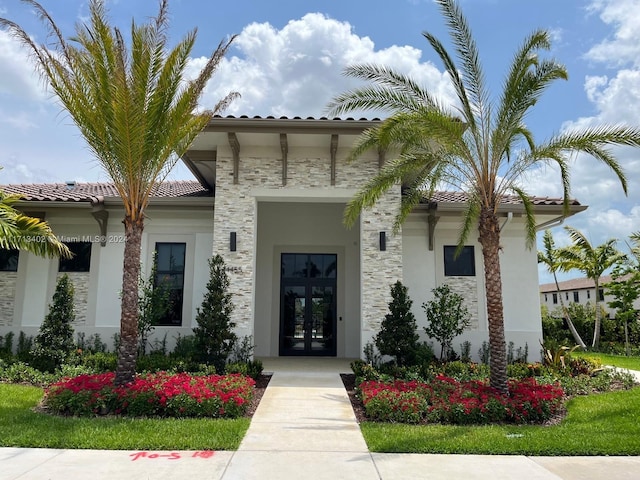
214	336
592	262
447	317
54	342
397	336
552	258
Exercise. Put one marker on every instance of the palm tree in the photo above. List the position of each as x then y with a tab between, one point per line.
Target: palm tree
481	146
21	232
136	111
551	257
592	262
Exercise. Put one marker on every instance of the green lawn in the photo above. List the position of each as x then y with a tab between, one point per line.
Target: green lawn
632	363
20	426
601	424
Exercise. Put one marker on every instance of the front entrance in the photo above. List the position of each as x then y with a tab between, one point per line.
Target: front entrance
308	304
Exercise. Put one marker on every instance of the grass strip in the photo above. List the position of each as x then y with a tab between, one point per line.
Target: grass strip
601	424
21	426
631	363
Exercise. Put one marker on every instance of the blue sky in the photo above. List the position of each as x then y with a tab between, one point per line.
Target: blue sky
288	58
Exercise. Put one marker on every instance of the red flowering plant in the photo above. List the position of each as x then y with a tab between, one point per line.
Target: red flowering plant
154	394
448	401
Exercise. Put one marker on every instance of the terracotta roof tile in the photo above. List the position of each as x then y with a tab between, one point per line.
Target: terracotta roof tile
461	197
85	192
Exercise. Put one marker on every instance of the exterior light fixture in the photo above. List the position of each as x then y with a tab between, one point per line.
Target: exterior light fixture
232	241
383	241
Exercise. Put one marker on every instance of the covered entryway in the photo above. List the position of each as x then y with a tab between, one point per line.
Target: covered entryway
308	304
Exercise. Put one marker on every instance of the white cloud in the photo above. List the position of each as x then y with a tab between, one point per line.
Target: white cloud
18	78
623	46
295	71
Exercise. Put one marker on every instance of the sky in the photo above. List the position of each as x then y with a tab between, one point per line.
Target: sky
288	60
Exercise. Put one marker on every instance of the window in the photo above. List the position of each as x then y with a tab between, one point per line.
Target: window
576	297
9	260
81	260
170	272
601	294
555	298
545	298
464	265
588	294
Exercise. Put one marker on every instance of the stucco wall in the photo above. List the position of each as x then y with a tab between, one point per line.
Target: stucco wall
424	271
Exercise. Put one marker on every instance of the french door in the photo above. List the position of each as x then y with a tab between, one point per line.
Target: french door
308	304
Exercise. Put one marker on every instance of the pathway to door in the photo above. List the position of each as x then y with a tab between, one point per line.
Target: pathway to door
304	426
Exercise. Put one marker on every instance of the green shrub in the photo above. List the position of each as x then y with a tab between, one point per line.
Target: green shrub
100	362
447	318
54	342
397	336
20	372
154	362
214	334
185	347
250	368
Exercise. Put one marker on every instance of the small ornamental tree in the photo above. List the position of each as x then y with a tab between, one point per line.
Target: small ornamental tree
54	342
397	336
154	302
214	334
447	317
625	290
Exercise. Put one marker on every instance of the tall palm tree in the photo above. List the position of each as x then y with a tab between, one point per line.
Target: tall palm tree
21	232
592	261
136	111
480	146
552	258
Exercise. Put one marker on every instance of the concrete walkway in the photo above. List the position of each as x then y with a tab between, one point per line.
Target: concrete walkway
303	429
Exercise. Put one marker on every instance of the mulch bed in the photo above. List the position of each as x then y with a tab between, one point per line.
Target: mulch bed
261	385
349	381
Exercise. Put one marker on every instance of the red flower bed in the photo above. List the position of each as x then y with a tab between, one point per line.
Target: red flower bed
449	401
156	394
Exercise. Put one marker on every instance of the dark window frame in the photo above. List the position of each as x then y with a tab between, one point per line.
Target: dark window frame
9	259
174	317
462	266
576	297
81	260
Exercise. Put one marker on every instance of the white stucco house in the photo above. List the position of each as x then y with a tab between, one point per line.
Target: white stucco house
269	197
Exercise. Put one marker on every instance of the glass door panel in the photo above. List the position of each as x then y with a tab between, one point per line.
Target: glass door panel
294	308
322	319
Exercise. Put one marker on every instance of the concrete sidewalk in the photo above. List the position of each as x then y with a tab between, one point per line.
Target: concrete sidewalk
304	428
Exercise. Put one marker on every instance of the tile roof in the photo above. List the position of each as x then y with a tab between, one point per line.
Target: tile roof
85	192
575	284
461	197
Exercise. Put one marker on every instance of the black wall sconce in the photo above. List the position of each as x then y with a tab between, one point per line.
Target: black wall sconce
383	241
232	241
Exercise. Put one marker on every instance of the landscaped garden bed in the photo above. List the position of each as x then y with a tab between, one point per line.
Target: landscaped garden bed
154	394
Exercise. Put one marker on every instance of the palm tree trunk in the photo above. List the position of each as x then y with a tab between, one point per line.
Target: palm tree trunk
565	311
489	230
126	368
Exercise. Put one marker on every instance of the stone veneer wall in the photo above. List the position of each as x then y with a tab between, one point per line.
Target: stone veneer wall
380	269
7	297
467	287
235	211
80	282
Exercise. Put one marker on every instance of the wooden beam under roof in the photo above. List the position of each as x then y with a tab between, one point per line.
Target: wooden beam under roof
334	151
284	146
235	148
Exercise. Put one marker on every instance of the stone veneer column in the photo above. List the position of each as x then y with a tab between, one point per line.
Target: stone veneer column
235	211
7	297
379	269
80	282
